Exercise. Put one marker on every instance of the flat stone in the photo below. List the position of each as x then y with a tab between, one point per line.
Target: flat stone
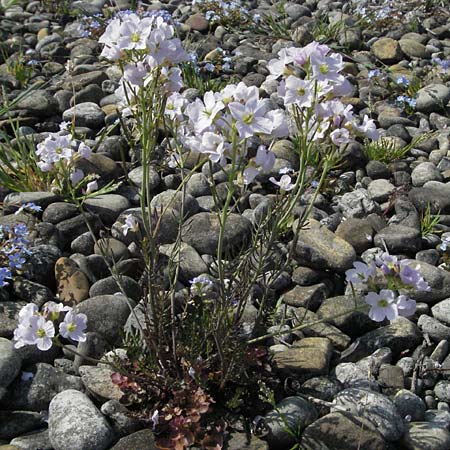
399	239
441	311
109	286
343	431
78	82
86	114
413	48
410	404
357	204
202	230
387	50
72	283
108	206
380	190
38	103
434	195
307	296
433	328
425	172
75	422
298	412
432	98
31	441
197	22
374	407
425	436
320	248
9	316
139	440
357	232
97	380
106	314
10	363
308	356
16	423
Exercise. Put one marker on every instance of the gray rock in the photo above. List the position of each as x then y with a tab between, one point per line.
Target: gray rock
320	248
139	440
16	423
78	82
307	296
442	390
9	316
32	292
119	416
433	328
107	206
32	441
409	404
297	412
399	239
39	103
352	375
75	422
432	98
425	436
309	356
97	380
59	211
438	280
109	286
374	407
399	335
413	48
83	244
380	190
42	199
191	263
441	311
136	176
357	204
86	114
202	232
437	416
434	194
425	172
111	249
339	430
91	93
36	394
387	50
10	363
173	199
198	185
106	314
340	312
321	387
357	232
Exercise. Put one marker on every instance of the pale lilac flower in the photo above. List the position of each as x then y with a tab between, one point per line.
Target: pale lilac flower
250	118
280	127
52	310
285	183
213	145
76	176
175	105
40	333
73	326
383	305
29	207
285	170
91	187
368	128
388	263
406	306
203	113
264	158
134	33
340	136
64	126
327	68
299	92
445	243
249	174
135	73
84	151
131	224
361	272
155	418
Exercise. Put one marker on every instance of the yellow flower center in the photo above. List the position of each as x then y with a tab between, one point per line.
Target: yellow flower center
324	69
41	333
71	327
248	118
383	303
301	91
135	37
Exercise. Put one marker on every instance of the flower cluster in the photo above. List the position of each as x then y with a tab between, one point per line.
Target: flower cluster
406	102
393	274
38	328
58	153
147	48
220	124
221	12
314	100
14	249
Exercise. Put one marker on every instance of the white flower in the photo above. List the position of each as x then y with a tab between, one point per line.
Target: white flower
383	305
52	310
406	306
280	128
76	176
340	136
135	73
361	272
40	333
249	174
134	32
298	92
73	326
91	187
264	158
84	151
250	118
285	183
327	68
175	105
203	113
368	128
131	223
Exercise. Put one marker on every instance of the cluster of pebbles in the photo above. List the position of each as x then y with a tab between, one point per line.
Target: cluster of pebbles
379	386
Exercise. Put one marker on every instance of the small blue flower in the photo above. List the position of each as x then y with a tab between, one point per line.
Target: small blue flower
402	81
16	260
373	73
5	273
209	67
